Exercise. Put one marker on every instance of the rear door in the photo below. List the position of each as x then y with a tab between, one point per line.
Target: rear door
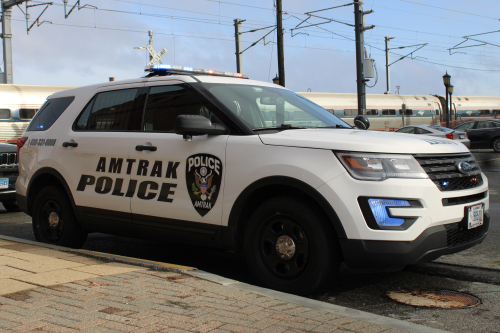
482	133
93	158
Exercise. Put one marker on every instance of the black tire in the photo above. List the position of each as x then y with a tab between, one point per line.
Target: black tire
54	221
496	145
317	255
11	206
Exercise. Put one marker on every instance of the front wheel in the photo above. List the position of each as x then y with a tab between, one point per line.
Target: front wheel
496	145
291	247
54	221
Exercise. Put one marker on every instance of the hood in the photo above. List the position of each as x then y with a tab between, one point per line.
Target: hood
363	141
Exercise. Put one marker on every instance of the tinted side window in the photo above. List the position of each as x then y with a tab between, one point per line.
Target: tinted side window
110	111
165	103
485	124
406	130
465	126
49	113
26	113
421	131
4	114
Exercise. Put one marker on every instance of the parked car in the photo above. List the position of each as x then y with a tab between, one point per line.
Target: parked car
436	130
8	176
483	133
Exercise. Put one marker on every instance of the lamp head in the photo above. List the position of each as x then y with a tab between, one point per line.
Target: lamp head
446	79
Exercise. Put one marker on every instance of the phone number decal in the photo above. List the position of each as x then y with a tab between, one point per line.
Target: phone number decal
42	142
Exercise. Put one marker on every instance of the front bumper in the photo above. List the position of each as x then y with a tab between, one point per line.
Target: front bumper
430	245
8	195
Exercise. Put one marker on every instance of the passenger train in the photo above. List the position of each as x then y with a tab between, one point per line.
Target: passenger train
385	111
19	103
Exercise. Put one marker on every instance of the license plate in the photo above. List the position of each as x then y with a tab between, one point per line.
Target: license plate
4	183
461	136
476	214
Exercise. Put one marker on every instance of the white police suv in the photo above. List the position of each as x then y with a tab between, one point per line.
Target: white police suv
216	160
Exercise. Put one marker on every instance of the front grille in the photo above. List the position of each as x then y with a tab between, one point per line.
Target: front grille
464	200
457	235
8	158
443	171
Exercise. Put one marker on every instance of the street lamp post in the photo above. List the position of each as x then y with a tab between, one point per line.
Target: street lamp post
446	81
450	92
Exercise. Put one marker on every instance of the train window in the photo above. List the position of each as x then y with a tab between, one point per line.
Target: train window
332	111
350	112
4	114
27	113
372	112
437	112
49	113
388	112
484	111
408	112
496	111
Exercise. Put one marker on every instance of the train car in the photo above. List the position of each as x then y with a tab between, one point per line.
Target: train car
384	111
468	107
18	104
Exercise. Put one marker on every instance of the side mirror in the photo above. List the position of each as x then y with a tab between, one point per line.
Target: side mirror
192	125
361	122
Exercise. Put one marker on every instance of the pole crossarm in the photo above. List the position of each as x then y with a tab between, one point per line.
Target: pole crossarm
254	30
409	54
320	10
468	38
37	20
66	14
255	43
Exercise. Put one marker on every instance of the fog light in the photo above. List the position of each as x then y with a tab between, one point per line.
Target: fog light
379	210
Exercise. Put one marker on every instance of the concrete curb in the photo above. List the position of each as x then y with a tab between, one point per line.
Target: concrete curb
299	300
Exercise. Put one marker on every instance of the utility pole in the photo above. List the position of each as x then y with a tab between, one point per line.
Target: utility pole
359	28
237	36
7	40
387	66
281	59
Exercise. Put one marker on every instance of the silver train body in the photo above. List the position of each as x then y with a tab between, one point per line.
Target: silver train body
18	105
385	111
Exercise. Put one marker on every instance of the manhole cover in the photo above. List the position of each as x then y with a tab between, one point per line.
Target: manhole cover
428	298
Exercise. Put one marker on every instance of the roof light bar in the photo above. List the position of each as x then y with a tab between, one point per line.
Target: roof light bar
161	69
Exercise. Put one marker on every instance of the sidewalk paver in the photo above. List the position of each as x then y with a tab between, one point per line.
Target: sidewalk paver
46	290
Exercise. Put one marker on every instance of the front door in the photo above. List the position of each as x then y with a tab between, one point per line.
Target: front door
178	184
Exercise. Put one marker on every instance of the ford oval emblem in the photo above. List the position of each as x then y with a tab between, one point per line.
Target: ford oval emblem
464	167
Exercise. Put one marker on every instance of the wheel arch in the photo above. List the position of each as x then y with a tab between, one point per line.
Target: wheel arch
43	177
263	189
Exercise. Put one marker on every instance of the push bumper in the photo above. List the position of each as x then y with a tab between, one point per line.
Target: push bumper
430	245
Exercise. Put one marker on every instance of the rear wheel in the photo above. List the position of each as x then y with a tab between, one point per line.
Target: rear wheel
291	247
11	206
496	145
54	221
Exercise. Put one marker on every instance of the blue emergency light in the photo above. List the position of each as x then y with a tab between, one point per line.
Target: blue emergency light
161	69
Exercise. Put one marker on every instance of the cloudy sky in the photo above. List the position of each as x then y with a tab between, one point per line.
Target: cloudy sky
97	42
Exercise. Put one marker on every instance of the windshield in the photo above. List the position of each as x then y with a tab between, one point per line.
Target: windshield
266	107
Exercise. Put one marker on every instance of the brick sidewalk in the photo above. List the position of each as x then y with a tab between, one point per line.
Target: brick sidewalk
52	291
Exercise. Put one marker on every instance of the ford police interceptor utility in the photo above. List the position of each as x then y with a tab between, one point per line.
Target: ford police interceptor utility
213	159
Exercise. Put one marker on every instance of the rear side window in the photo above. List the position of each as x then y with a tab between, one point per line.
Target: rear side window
26	113
4	114
110	111
49	113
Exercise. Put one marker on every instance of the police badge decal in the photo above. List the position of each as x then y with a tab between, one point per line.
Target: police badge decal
203	179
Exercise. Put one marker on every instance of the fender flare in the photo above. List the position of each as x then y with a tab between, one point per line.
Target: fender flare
229	233
44	171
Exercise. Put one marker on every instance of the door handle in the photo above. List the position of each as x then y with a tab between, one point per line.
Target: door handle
141	148
70	144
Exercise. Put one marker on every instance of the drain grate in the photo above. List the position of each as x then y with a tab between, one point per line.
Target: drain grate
429	298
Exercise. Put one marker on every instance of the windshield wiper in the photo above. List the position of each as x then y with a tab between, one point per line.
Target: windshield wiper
282	127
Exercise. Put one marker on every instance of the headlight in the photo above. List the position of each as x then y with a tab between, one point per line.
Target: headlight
365	166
